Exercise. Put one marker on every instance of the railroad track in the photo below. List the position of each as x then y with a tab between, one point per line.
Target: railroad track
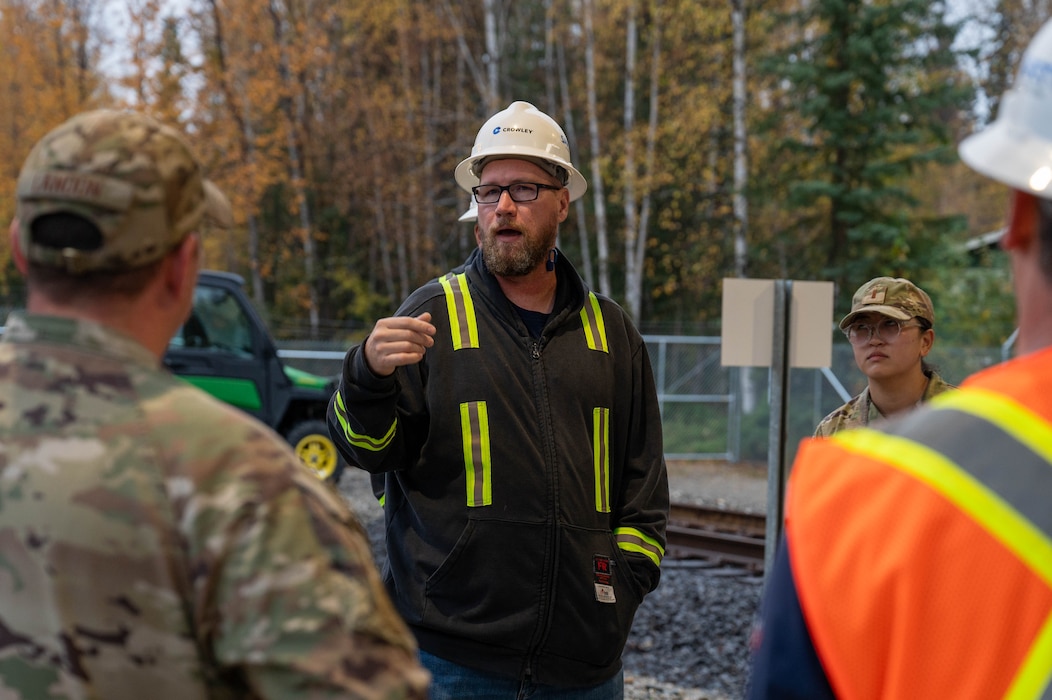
720	536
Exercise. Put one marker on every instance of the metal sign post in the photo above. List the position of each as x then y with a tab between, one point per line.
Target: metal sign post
779	402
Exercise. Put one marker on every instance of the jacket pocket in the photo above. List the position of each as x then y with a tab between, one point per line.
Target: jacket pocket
595	601
489	587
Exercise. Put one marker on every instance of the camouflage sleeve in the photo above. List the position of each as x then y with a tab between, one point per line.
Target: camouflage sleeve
822	429
830	424
284	586
936	385
847	416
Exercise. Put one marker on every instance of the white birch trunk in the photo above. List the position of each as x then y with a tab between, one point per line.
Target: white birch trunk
483	83
741	175
741	167
597	174
632	293
492	54
585	266
651	148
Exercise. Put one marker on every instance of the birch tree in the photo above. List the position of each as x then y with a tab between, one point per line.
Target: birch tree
741	164
581	220
637	213
596	184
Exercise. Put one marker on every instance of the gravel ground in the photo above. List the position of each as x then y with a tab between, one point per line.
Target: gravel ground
690	639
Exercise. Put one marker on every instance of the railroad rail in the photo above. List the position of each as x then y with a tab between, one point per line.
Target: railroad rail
715	535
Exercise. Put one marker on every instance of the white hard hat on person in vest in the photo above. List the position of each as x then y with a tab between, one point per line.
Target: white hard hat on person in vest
524	132
1016	149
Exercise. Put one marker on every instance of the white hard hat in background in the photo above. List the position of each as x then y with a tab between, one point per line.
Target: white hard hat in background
472	212
521	131
1016	148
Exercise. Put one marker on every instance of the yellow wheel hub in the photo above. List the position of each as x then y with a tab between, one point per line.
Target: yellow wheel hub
319	454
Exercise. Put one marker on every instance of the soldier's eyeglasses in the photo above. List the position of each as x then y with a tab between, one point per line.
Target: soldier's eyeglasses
887	330
519	192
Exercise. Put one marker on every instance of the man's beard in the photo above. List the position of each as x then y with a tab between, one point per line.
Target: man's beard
518	259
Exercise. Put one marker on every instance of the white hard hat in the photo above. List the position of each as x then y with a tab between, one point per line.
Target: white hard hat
1016	148
521	131
472	212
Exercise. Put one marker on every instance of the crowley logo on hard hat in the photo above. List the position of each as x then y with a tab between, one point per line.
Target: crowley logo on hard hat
516	129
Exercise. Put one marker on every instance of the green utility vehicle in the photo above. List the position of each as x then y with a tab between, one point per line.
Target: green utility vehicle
226	349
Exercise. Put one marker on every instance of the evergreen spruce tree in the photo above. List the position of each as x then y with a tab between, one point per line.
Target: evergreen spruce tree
868	91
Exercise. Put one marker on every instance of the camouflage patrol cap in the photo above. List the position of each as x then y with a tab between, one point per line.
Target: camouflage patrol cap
891	296
135	179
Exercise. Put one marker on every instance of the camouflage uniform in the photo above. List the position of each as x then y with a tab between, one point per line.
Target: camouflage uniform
155	542
860	411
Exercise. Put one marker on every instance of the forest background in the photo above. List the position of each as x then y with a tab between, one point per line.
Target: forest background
811	139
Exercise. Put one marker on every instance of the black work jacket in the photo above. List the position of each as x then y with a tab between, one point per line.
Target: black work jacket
524	482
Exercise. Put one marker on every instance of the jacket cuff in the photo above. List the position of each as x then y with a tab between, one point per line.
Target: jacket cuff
356	372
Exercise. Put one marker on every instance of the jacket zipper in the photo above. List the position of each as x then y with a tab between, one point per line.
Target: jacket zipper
536	346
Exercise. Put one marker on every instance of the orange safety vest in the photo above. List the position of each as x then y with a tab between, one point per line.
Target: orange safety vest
922	553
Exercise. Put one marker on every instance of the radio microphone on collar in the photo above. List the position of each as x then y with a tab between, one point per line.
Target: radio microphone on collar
553	255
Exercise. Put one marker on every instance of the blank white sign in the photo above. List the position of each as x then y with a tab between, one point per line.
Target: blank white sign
748	323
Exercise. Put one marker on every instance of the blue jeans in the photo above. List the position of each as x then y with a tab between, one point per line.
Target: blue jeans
450	681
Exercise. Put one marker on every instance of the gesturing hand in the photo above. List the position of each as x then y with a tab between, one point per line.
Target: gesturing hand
397	341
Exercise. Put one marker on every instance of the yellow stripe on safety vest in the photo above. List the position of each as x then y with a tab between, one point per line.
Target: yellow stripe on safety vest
970	495
1034	680
462	322
630	539
984	506
1035	676
601	457
474	426
1010	416
365	442
594	326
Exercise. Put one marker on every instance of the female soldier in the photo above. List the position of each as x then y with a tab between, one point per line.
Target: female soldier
890	328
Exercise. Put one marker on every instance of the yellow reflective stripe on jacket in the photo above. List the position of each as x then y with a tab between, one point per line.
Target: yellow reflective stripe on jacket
980	487
365	442
629	539
474	425
601	457
462	322
594	326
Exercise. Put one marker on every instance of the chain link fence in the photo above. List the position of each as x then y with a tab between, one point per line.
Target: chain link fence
711	412
715	412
